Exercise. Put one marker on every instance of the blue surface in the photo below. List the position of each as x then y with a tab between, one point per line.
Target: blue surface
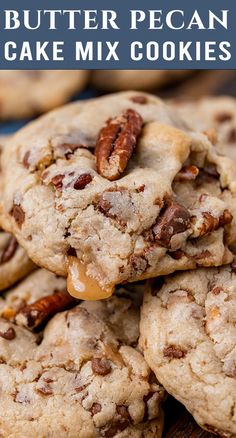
13	126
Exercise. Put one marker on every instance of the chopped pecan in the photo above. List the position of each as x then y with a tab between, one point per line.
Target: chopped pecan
26	159
101	366
172	220
139	98
33	315
18	213
45	389
83	180
119	423
9	250
9	334
116	142
216	290
187	173
176	255
202	255
211	223
223	117
174	352
226	218
232	136
95	409
57	181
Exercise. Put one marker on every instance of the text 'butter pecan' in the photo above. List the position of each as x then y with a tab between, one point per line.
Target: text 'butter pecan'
116	143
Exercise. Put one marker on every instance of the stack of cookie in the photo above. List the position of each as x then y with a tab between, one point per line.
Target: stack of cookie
115	195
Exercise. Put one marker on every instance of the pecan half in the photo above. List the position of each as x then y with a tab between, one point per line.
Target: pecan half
173	220
187	173
9	250
116	143
33	315
18	213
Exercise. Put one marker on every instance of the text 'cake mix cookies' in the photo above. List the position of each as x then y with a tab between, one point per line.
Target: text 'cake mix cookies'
188	336
79	377
25	93
14	262
214	115
117	189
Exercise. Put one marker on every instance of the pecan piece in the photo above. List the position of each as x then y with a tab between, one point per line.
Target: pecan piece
223	117
9	335
116	143
57	181
18	213
33	315
83	180
9	250
174	352
101	366
139	98
173	220
26	160
96	408
187	173
211	223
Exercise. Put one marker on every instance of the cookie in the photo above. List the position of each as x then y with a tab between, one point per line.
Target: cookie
36	298
117	189
14	262
83	377
118	80
188	336
25	93
214	115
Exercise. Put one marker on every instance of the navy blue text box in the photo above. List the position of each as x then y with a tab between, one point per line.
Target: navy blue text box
198	47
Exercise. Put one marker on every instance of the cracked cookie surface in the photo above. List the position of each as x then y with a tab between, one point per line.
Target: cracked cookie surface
82	377
27	93
14	262
188	336
217	116
121	186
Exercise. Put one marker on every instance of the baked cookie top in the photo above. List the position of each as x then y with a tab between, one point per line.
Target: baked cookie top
214	115
118	80
188	336
117	189
24	93
82	377
35	299
14	262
